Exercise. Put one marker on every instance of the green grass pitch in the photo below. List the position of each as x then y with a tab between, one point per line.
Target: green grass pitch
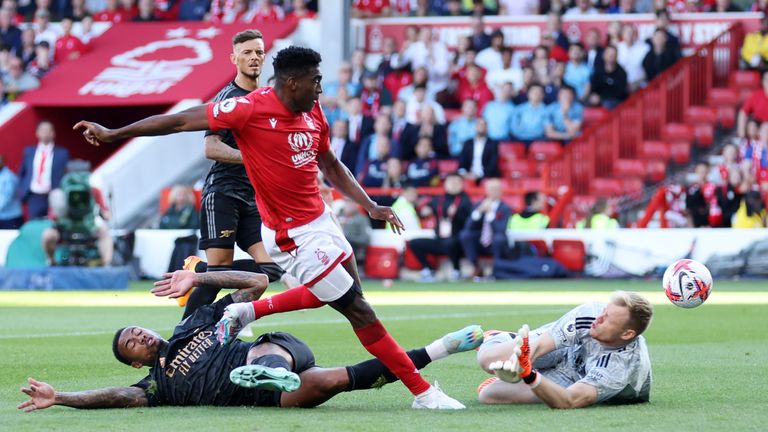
709	364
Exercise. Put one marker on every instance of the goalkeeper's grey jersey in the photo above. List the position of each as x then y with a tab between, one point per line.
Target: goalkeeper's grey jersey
621	375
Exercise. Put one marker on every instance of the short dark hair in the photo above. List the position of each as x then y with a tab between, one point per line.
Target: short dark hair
245	36
530	197
116	347
294	59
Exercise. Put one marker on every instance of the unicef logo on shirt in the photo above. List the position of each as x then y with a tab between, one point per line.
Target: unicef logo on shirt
300	141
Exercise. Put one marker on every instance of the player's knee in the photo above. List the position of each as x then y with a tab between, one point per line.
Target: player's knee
355	307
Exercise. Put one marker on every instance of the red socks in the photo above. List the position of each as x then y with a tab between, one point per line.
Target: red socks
381	345
296	298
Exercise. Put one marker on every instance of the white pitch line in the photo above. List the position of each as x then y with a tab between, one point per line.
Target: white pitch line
267	323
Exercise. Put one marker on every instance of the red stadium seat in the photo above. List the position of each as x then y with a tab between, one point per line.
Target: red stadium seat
695	115
514	201
726	116
592	116
541	247
410	262
570	253
515	169
744	80
722	97
680	152
607	187
656	170
632	185
654	150
704	134
381	262
511	150
448	166
629	168
531	184
676	132
451	114
545	150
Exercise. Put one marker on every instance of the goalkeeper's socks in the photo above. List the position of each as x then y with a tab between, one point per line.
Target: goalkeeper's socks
373	374
202	296
293	299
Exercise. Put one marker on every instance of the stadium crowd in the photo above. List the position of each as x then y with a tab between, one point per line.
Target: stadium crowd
419	115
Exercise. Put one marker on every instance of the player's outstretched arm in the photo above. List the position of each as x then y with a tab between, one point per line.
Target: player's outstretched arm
192	119
217	150
343	180
42	395
250	286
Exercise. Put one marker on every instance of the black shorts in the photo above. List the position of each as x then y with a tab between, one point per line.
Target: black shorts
303	357
225	220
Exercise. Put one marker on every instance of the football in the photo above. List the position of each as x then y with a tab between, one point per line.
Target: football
687	283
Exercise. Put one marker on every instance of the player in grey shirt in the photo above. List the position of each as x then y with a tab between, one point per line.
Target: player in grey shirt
593	354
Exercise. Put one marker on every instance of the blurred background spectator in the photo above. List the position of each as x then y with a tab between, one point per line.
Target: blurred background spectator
10	205
182	212
41	171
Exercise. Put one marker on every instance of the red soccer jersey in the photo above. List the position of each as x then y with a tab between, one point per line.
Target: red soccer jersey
756	105
279	151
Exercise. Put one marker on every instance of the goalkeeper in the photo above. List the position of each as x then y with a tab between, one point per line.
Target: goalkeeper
593	354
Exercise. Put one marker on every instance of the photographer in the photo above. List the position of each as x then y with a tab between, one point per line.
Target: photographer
79	235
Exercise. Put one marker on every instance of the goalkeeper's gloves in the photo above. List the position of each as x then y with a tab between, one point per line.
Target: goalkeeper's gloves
523	354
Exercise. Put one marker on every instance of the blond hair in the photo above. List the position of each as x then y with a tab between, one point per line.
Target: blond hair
640	309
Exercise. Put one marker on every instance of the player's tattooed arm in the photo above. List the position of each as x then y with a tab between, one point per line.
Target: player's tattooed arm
250	285
217	150
116	397
42	395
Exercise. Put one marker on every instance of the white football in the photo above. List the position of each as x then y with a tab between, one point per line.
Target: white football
687	283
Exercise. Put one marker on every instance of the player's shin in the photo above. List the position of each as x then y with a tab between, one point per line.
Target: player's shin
297	298
373	374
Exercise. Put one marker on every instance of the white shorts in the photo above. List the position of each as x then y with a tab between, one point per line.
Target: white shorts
313	253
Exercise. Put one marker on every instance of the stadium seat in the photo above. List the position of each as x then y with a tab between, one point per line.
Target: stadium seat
530	184
514	201
381	262
654	150
515	169
510	150
447	166
606	187
592	116
744	79
720	97
656	170
704	134
726	116
700	114
542	249
676	132
629	168
570	253
410	262
545	150
680	152
632	185
451	114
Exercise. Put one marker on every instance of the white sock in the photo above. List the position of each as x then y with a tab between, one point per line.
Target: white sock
436	350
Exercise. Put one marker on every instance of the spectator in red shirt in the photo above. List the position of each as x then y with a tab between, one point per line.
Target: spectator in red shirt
265	12
68	46
475	88
112	13
756	106
300	10
370	8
